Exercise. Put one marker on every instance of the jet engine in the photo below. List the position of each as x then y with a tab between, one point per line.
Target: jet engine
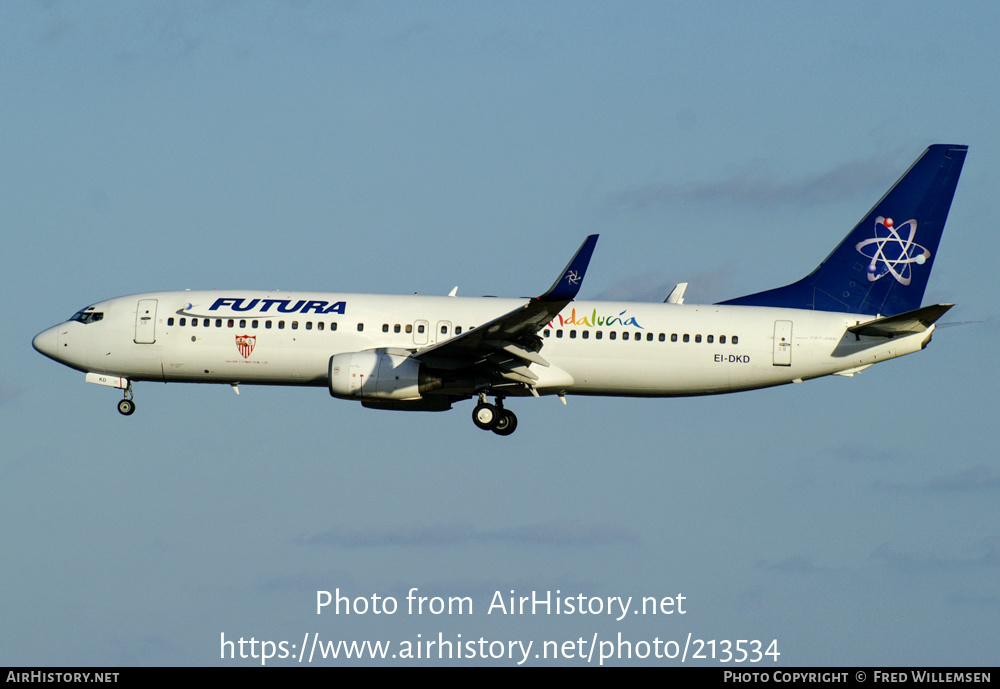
378	375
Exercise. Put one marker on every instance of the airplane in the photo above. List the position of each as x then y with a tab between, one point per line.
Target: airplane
861	306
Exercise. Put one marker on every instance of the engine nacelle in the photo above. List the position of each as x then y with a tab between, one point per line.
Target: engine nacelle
377	375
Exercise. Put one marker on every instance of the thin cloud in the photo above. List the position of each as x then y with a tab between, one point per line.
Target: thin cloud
552	533
865	455
761	186
9	393
979	477
974	601
989	556
704	287
408	33
58	29
797	564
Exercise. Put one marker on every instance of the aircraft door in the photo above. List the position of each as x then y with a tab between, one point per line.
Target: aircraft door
443	331
420	332
145	322
782	343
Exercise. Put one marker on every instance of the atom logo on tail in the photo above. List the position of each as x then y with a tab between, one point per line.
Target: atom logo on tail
891	253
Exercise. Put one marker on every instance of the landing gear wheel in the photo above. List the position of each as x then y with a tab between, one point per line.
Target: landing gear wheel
486	416
506	423
126	407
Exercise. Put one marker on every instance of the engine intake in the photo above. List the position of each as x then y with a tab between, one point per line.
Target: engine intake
377	375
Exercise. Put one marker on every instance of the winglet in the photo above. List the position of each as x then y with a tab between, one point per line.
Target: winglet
566	287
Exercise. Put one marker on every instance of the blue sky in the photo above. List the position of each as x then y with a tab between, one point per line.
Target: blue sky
401	147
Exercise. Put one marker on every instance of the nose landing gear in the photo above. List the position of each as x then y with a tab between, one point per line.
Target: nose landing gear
125	405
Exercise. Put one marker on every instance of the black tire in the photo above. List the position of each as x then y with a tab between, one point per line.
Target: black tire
485	416
506	424
126	407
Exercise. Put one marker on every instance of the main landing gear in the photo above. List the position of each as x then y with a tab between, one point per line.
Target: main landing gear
125	405
493	417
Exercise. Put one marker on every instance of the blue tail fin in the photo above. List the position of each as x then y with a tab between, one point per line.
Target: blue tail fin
882	266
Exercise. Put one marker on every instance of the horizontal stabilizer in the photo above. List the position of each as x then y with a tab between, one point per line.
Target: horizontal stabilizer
903	323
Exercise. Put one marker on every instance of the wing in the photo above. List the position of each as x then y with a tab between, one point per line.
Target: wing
499	352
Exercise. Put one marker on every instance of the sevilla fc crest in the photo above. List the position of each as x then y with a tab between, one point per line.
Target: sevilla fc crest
245	343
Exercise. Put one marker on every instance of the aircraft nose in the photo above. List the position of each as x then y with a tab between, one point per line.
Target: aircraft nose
47	342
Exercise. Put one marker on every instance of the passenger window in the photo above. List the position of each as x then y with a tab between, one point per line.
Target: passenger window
396	328
420	329
309	325
735	339
687	338
194	322
558	333
361	327
267	325
697	338
333	326
458	330
673	337
243	323
625	335
663	337
320	325
710	339
586	334
170	321
612	335
183	321
722	339
599	334
649	337
218	322
229	323
572	334
409	328
281	325
385	327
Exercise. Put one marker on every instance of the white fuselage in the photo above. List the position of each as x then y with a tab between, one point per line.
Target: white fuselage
594	348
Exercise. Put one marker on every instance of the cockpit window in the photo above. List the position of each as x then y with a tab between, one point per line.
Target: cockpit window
86	316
